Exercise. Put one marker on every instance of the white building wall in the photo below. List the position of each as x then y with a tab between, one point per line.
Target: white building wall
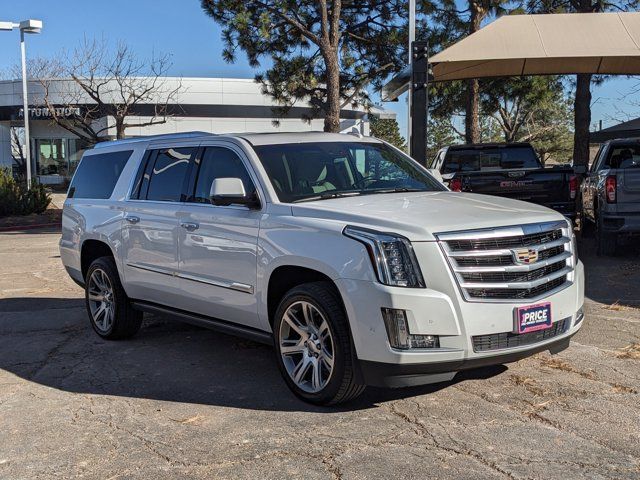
210	94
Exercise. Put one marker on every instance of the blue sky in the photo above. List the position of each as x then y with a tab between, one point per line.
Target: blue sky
181	29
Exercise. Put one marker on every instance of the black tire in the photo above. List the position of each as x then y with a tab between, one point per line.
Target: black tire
341	385
125	320
607	241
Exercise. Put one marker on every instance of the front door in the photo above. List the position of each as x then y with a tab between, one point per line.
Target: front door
218	244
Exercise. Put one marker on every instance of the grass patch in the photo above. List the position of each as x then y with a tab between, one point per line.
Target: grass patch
529	384
616	307
558	364
631	351
622	388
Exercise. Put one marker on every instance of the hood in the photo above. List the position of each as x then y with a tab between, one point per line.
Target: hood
419	215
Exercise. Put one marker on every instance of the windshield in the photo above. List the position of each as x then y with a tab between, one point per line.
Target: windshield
487	159
318	170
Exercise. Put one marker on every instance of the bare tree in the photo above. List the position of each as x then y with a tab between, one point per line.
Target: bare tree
94	86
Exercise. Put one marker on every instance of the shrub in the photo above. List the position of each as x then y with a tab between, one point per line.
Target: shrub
16	199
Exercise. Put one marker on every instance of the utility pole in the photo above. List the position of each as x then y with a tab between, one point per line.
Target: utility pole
412	38
419	99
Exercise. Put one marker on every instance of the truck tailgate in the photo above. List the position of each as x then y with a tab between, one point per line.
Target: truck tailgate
545	186
628	190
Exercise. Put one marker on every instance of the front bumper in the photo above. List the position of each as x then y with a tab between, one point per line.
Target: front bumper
441	310
378	374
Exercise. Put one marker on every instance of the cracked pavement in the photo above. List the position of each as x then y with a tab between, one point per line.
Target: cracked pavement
181	402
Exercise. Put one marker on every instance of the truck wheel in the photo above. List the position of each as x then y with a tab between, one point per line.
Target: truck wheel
313	345
110	312
607	242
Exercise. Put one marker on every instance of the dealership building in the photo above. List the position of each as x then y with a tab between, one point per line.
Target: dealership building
216	105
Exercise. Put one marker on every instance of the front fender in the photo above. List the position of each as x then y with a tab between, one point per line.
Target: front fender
310	243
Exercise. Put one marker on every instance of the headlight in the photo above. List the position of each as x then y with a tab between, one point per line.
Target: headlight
574	241
392	256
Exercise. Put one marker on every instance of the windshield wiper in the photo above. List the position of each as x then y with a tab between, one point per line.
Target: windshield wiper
326	196
395	190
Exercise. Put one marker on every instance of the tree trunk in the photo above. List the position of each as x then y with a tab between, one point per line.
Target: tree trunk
582	121
332	113
120	128
472	118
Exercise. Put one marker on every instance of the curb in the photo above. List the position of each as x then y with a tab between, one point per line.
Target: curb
20	228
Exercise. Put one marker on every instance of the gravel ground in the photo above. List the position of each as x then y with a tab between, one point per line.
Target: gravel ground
182	402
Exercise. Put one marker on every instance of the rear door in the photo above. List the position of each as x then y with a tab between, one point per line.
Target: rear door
151	226
218	244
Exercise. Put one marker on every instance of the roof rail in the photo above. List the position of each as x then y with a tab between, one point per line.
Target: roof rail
166	136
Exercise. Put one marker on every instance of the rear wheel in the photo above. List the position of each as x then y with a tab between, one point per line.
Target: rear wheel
110	312
607	241
313	345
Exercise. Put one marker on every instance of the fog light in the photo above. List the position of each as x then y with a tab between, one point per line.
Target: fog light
395	321
579	317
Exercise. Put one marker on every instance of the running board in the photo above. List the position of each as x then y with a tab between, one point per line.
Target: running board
206	322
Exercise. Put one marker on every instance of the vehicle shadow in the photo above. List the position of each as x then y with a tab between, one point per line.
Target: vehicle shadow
51	229
614	279
49	341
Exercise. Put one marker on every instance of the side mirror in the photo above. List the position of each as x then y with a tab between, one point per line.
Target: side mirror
230	191
436	174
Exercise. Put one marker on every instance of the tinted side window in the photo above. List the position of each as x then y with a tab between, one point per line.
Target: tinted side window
97	174
169	173
219	162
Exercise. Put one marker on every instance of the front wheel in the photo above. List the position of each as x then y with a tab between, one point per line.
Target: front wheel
313	345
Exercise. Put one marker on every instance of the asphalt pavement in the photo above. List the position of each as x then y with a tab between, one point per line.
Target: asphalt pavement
182	402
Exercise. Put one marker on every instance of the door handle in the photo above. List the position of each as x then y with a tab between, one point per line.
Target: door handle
132	219
189	226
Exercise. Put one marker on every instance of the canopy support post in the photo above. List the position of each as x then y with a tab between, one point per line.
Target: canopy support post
419	100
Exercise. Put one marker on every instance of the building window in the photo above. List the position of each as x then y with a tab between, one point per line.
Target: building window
56	159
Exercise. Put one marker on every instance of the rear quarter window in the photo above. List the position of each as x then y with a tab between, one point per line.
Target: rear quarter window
98	174
623	157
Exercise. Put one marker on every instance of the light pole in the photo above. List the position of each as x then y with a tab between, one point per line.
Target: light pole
26	26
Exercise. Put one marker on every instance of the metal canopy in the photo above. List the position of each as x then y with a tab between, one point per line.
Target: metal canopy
551	44
515	45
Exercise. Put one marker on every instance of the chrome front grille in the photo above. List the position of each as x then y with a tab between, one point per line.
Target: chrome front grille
524	262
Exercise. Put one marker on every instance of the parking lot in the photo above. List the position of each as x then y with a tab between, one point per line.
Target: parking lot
181	402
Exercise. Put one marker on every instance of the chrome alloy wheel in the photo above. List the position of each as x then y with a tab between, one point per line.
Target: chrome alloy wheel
101	300
306	346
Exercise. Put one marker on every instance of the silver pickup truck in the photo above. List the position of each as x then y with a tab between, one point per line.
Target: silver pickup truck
611	194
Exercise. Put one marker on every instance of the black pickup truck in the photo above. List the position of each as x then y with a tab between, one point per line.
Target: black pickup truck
508	170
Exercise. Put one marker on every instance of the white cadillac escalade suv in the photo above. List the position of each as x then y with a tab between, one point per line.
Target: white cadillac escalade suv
355	262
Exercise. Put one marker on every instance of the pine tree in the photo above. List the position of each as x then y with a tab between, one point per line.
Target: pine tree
325	52
387	129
